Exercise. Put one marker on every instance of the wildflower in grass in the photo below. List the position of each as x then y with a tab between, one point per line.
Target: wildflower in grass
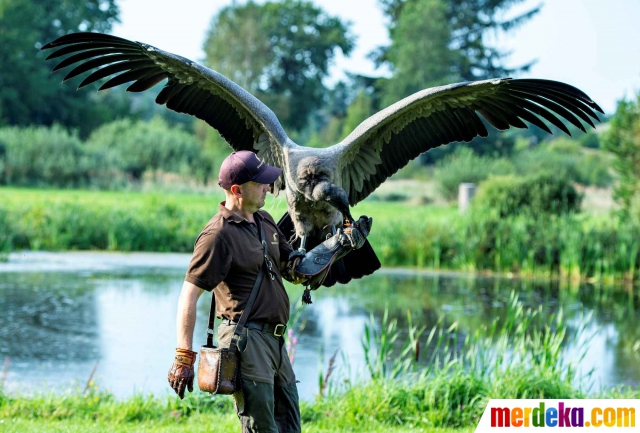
292	345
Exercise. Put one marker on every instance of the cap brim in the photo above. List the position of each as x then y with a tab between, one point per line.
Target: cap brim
268	175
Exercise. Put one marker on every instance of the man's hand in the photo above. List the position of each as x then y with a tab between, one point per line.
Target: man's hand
181	373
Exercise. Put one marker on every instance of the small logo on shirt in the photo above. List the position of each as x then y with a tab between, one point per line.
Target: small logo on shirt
275	239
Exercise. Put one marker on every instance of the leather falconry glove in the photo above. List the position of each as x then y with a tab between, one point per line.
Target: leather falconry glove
357	232
182	373
315	264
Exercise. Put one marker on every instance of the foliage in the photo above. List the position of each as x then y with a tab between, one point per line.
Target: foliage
465	166
357	112
536	195
521	356
419	53
133	147
496	144
572	246
439	41
564	158
27	94
42	156
281	53
623	140
590	140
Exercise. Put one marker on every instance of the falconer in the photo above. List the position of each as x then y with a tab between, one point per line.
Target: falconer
227	259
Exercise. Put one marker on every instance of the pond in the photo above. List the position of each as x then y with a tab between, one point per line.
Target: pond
61	314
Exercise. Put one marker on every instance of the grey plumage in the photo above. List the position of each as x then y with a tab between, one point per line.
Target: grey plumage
321	184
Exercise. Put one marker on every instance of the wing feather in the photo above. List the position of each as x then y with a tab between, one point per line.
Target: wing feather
547	103
192	89
576	106
112	69
129	76
147	82
441	115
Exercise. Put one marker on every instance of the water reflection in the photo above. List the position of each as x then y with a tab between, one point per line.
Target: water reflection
66	311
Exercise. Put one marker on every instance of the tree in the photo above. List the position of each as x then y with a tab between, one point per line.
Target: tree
27	93
435	42
279	51
623	140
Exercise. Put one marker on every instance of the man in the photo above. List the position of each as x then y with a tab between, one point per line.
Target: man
227	257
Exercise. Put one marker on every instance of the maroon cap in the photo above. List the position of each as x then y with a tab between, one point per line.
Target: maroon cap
244	166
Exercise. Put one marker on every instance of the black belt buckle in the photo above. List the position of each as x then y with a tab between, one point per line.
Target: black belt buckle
277	333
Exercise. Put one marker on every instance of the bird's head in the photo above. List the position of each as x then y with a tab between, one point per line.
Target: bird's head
310	172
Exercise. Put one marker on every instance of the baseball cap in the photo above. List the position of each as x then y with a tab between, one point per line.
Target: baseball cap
244	166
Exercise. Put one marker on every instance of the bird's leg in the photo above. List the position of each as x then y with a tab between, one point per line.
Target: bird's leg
303	241
298	254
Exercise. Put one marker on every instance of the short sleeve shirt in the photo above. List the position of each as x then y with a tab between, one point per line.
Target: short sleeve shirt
227	258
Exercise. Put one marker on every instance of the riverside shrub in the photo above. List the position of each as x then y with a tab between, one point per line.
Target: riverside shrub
536	195
133	147
465	166
565	158
41	155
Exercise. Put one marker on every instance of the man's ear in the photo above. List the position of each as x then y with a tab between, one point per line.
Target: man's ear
236	190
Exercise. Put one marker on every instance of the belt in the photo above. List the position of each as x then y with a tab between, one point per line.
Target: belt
277	329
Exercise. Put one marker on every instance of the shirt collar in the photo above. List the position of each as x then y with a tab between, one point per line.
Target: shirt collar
231	216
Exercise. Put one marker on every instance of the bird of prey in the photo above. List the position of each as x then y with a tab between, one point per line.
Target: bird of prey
322	184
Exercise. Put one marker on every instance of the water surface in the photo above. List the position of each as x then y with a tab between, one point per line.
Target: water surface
60	313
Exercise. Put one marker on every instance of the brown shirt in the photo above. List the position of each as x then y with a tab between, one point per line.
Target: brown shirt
228	256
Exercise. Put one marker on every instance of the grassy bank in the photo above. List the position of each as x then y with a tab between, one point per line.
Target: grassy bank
197	413
595	247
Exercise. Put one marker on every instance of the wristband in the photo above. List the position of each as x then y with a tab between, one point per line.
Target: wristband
185	357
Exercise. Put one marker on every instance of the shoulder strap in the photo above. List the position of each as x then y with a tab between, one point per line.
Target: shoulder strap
252	298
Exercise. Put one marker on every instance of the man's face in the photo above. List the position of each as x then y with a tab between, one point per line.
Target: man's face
254	194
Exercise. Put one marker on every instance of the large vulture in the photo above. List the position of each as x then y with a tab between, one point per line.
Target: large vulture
321	184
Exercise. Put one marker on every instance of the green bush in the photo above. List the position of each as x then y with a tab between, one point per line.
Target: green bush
42	156
133	147
465	166
622	139
590	140
564	158
535	195
74	226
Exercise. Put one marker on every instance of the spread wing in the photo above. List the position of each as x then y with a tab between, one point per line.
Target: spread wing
389	139
242	120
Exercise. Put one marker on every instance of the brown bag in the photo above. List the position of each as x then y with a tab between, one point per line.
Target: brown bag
219	368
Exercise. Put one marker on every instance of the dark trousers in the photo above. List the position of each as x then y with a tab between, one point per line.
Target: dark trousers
267	400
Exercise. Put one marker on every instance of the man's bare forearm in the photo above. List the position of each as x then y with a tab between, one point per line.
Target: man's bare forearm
186	319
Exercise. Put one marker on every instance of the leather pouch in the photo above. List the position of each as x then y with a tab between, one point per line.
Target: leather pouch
218	370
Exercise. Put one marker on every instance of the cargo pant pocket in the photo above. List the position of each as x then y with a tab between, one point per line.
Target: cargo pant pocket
255	407
287	408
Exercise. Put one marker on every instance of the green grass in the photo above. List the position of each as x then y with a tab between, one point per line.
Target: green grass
199	424
576	247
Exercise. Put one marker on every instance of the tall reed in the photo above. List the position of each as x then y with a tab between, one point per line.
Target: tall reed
522	356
